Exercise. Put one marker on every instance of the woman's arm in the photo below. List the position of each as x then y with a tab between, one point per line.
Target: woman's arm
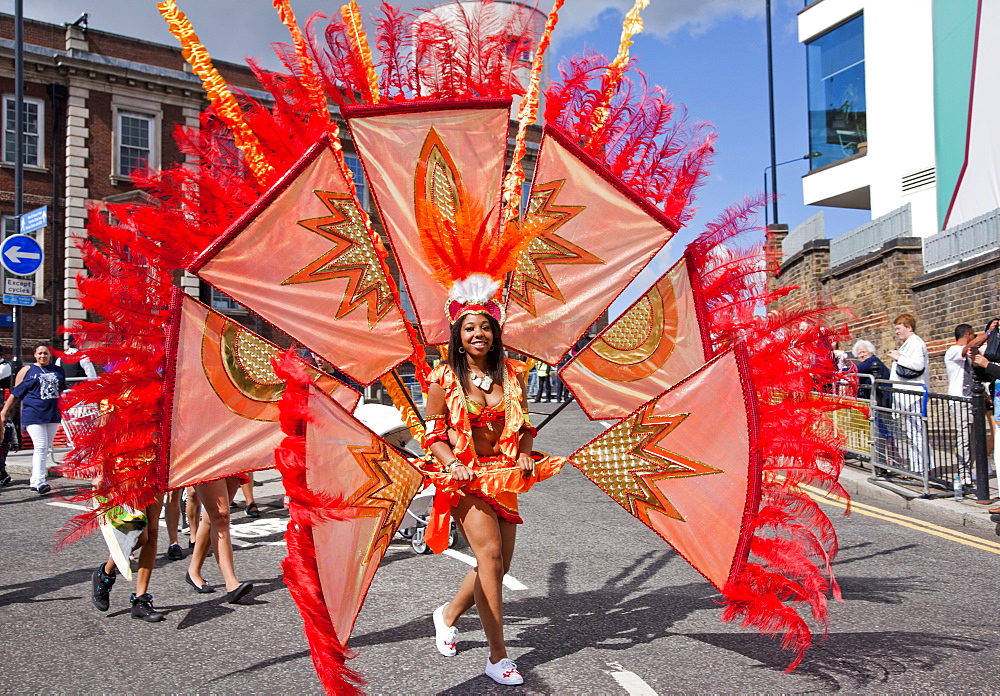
11	400
437	410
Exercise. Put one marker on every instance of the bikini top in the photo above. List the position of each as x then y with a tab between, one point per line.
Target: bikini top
481	416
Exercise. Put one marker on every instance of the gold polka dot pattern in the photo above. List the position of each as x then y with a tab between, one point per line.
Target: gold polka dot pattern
631	329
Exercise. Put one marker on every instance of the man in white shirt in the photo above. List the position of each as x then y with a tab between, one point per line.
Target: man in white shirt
76	371
910	366
960	379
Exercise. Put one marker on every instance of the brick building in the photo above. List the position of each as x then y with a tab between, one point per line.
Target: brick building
97	106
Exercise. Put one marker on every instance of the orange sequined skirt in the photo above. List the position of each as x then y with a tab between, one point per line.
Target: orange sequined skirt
498	481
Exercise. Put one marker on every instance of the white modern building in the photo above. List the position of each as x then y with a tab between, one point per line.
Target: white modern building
904	97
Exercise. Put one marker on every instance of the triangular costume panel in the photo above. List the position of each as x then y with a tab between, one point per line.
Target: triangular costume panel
720	403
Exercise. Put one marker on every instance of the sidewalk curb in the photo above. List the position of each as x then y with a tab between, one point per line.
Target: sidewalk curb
941	510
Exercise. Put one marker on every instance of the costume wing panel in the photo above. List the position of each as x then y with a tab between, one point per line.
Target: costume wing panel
450	158
685	465
653	345
347	461
223	397
302	258
596	238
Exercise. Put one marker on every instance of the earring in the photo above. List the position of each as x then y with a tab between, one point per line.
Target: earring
493	347
461	349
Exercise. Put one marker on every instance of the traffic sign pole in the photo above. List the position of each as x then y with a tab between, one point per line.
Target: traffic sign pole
18	151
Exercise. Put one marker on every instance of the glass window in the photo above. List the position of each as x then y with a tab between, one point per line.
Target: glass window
360	185
33	117
223	303
135	141
836	85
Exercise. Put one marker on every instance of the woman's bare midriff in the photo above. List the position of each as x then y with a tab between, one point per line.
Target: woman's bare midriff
485	441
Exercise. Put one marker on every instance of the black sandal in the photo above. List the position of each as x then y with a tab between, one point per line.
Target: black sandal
252	510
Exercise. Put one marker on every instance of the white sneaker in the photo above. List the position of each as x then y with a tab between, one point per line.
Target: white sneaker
445	636
504	672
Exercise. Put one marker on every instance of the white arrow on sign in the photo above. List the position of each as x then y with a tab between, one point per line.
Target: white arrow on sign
16	255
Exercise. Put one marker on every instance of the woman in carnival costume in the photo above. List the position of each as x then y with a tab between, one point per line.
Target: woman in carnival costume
480	436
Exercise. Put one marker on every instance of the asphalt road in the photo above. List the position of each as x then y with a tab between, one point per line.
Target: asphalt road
606	608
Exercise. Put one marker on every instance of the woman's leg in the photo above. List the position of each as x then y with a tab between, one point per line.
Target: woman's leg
465	597
42	435
479	526
193	511
147	553
215	497
202	543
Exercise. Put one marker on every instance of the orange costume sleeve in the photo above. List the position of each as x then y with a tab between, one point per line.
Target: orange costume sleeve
498	480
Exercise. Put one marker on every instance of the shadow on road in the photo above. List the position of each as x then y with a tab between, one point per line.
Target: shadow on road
852	661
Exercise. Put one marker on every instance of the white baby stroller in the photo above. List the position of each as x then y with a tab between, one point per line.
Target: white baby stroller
387	422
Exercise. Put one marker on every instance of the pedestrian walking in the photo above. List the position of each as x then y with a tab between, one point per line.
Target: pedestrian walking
103	578
37	387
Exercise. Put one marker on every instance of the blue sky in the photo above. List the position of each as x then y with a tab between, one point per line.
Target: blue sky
719	73
710	55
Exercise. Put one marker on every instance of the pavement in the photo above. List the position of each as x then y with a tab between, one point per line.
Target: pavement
944	510
855	479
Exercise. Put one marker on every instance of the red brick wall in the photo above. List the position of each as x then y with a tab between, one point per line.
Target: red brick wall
35	33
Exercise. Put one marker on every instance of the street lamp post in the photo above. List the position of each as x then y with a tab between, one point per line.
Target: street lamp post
774	181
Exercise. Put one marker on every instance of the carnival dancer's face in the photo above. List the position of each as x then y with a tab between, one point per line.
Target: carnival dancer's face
477	335
42	355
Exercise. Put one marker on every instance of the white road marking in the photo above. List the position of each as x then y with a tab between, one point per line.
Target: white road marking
509	581
630	681
71	506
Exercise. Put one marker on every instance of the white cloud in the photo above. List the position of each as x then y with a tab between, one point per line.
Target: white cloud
234	29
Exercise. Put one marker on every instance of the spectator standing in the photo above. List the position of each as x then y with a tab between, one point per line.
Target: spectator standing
544	382
869	364
960	380
5	372
37	387
992	370
910	365
562	392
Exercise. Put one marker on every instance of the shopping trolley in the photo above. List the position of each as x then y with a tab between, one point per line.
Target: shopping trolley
74	421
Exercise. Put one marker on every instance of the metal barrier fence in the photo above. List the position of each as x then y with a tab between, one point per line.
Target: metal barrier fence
928	439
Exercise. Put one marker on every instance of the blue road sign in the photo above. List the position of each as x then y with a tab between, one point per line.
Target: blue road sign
35	219
22	300
21	255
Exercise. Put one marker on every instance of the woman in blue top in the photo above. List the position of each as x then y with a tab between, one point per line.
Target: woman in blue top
38	387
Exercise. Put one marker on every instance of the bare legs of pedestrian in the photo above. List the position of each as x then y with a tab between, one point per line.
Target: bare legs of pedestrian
492	542
215	498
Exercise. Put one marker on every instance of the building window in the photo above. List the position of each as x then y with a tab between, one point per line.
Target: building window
835	64
136	133
221	302
360	185
34	117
